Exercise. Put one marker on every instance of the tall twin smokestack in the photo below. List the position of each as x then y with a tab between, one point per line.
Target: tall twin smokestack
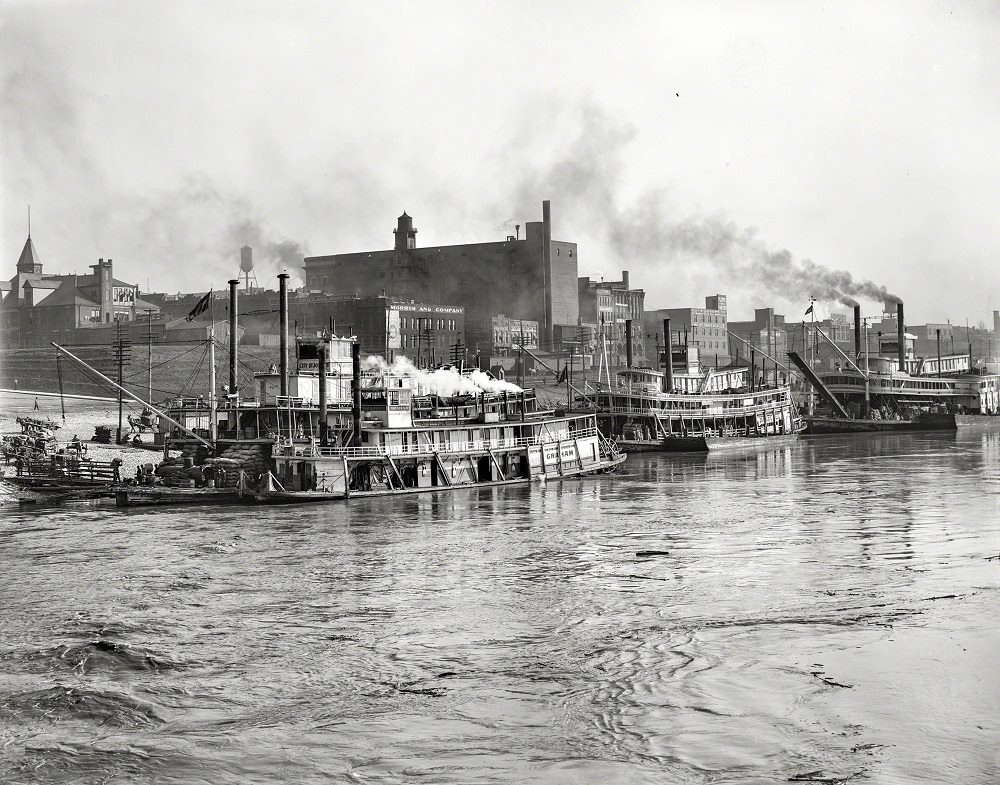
857	332
901	334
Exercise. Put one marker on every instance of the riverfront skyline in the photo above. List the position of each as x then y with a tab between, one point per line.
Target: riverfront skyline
859	136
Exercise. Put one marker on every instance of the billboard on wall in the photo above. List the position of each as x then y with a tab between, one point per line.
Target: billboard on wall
393	332
123	295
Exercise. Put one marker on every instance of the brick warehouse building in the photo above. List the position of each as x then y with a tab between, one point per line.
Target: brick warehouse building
534	277
422	331
605	307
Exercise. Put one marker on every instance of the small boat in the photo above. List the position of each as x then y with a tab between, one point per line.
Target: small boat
150	496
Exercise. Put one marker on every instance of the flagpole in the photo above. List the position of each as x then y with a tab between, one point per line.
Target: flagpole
213	422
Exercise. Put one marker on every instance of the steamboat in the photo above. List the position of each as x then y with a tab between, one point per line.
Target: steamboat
899	391
333	429
336	427
686	408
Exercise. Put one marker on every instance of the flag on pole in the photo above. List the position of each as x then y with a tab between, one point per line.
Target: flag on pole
809	310
202	306
563	375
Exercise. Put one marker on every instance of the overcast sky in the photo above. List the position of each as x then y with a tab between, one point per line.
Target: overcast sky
690	143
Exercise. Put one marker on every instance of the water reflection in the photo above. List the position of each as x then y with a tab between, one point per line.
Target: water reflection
731	617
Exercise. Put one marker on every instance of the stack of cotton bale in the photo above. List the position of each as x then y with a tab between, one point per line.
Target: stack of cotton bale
253	458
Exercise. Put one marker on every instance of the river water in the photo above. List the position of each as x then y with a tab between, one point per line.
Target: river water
821	613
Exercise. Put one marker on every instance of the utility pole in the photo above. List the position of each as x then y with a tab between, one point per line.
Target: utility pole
149	354
419	324
520	363
122	347
569	377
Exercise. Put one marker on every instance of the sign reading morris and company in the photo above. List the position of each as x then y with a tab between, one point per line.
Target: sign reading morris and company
421	308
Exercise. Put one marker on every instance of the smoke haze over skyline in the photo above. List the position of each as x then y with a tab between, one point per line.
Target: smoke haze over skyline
847	152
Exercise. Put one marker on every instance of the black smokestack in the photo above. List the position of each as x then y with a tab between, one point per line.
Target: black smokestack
668	350
321	355
356	393
857	332
283	330
233	314
901	332
628	343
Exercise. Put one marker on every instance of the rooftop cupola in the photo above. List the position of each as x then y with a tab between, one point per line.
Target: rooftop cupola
406	235
29	261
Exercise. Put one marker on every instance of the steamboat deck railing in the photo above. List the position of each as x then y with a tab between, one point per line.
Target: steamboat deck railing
447	448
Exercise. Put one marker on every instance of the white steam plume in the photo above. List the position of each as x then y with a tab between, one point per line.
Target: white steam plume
445	382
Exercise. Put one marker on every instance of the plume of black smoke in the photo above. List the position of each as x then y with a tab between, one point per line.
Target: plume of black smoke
737	252
585	180
272	254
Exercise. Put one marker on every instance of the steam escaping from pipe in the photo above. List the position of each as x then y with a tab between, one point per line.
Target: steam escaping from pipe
444	382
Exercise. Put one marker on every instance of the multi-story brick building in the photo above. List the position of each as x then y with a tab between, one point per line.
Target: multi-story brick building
502	335
531	278
704	328
385	326
606	307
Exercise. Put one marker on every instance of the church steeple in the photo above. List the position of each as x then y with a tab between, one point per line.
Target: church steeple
29	261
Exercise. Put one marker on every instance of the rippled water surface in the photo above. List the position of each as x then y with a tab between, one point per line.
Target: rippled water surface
821	613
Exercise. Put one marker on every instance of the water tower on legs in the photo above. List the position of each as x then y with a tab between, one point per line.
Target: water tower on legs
246	267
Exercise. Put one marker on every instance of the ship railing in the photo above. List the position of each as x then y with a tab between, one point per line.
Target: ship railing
290	400
450	448
645	392
715	411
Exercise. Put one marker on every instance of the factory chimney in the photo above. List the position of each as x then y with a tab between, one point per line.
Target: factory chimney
901	333
857	332
549	332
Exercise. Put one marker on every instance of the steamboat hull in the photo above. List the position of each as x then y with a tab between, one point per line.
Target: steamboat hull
314	497
831	425
977	422
682	444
